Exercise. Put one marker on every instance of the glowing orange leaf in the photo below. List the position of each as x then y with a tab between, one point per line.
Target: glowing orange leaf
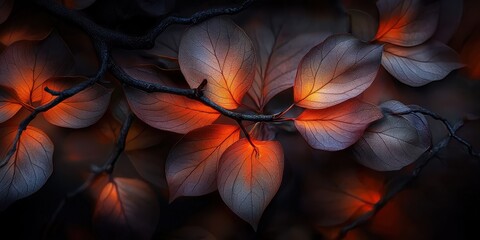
126	209
166	111
248	177
219	51
28	168
406	22
336	70
80	110
191	166
338	127
25	66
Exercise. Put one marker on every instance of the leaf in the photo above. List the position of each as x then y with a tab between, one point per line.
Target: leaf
126	209
279	48
337	127
166	111
82	109
420	65
395	141
191	166
9	104
451	12
28	168
248	177
219	51
25	25
25	66
406	22
77	4
5	9
167	45
340	192
334	71
149	163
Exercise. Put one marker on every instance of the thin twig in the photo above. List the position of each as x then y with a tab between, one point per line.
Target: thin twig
450	128
94	175
145	41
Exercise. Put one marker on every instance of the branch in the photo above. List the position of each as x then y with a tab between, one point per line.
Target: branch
128	80
96	173
450	128
400	183
145	41
103	53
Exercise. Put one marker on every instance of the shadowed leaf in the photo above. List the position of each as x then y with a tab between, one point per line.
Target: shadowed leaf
25	25
337	127
126	209
166	111
5	9
420	65
25	66
28	168
336	70
363	25
79	111
166	47
219	51
406	22
77	4
248	177
395	141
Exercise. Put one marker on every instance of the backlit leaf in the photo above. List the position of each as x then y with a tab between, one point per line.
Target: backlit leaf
279	48
126	209
406	22
28	168
337	127
25	66
420	65
166	111
25	25
5	8
191	166
9	104
248	177
219	51
336	70
394	141
79	111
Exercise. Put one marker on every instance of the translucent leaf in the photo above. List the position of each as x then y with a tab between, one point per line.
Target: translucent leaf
25	66
337	127
248	177
280	46
395	141
336	70
28	168
341	192
406	22
191	166
219	51
82	109
25	25
166	111
420	65
5	9
126	209
9	104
